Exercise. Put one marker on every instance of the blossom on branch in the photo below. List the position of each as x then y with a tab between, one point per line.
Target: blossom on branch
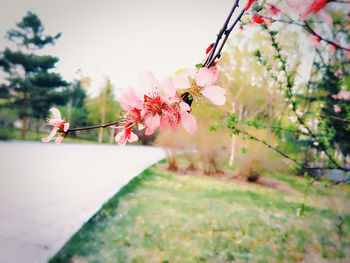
249	4
200	83
272	10
304	8
257	19
126	135
336	108
59	125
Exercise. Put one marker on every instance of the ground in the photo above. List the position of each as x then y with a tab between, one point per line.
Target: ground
164	217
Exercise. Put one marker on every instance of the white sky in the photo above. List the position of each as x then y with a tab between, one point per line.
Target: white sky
119	38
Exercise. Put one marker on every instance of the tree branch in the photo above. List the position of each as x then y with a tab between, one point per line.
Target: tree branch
333	117
211	57
290	158
92	127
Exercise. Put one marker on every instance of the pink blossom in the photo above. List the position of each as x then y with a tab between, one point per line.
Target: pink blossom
316	143
257	19
188	120
343	94
339	73
203	80
326	17
125	135
293	118
304	8
272	10
249	4
336	96
158	110
59	125
336	108
303	129
299	112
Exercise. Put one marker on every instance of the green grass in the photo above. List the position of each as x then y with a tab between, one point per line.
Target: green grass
160	217
15	134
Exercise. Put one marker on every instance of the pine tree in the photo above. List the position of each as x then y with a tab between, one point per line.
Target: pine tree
30	87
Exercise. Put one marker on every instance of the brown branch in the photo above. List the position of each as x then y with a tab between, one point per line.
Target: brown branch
306	27
290	158
92	127
223	31
333	117
339	182
227	33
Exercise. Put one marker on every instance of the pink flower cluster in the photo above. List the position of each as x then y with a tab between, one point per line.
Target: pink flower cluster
342	95
160	104
59	125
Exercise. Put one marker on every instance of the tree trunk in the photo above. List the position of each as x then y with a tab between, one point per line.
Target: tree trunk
111	137
24	116
37	127
100	135
103	115
233	141
24	126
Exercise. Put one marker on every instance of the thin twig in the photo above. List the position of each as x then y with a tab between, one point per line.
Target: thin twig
307	27
93	127
290	158
339	182
227	33
333	117
223	31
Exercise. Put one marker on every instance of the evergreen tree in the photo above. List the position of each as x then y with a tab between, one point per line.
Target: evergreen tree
30	87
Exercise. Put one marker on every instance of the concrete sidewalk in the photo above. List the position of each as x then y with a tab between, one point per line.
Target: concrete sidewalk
47	192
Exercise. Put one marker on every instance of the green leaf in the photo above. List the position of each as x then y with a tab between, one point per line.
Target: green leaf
244	150
257	53
199	65
214	127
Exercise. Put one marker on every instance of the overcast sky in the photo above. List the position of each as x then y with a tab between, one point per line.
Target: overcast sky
119	38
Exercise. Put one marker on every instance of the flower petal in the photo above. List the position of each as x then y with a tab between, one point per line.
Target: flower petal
204	77
188	122
181	82
215	94
59	140
166	85
129	99
148	82
164	121
66	126
49	138
188	73
152	122
184	107
133	137
56	114
120	138
326	17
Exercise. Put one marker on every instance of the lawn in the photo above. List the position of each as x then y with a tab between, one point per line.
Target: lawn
162	217
15	134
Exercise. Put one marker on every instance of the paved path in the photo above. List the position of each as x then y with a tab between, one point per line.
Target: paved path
47	192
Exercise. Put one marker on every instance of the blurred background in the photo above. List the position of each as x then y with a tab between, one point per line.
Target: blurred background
79	56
